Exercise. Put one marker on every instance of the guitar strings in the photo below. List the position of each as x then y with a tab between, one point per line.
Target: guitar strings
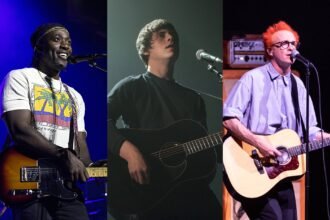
194	146
96	171
41	170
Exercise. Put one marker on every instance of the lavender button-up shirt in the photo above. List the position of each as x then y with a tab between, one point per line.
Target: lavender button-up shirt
262	101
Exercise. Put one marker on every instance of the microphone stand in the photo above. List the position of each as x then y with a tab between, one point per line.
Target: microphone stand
306	137
92	63
212	68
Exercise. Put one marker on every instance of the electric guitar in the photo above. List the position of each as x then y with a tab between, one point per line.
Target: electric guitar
177	154
252	175
23	179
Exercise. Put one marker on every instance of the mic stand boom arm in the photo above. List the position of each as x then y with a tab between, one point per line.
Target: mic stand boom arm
92	63
213	69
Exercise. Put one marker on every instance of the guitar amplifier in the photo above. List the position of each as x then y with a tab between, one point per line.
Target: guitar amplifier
247	52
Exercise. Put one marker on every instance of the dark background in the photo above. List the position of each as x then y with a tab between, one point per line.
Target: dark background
86	22
311	19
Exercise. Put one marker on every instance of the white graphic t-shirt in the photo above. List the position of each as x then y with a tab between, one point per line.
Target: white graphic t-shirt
28	89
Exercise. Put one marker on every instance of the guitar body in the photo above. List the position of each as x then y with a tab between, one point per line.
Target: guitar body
10	163
23	179
243	174
169	168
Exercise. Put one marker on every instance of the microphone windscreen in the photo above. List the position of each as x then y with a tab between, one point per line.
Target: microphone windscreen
198	54
294	53
72	59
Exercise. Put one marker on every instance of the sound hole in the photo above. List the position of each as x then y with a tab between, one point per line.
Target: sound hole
285	158
172	154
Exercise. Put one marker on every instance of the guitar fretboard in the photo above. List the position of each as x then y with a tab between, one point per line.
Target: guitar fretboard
201	144
32	174
313	145
190	147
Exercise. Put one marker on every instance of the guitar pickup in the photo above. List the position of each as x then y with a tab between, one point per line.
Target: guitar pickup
30	174
257	161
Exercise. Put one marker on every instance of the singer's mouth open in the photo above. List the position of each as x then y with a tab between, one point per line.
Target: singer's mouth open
170	45
63	55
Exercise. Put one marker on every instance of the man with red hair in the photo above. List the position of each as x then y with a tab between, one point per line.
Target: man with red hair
262	103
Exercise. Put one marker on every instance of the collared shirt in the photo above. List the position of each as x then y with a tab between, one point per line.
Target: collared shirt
262	101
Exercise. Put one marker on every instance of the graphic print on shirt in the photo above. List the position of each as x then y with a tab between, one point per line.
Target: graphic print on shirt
44	107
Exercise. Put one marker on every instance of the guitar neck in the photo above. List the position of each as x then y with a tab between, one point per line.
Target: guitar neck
97	171
203	143
313	145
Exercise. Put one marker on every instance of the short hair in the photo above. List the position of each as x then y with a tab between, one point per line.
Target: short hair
42	30
279	26
143	41
38	36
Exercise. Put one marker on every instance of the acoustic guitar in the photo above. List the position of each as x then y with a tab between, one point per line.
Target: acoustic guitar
252	175
180	153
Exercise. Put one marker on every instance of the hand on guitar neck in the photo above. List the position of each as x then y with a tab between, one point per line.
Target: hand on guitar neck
137	166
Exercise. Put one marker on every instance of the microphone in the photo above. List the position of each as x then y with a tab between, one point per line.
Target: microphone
296	55
201	54
73	59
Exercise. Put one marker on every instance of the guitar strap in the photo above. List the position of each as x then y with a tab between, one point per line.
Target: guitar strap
295	100
74	124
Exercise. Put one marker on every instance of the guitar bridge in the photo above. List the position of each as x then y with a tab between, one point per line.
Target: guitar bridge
24	192
257	162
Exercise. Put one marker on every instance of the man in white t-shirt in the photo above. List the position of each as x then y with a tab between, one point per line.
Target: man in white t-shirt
45	118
